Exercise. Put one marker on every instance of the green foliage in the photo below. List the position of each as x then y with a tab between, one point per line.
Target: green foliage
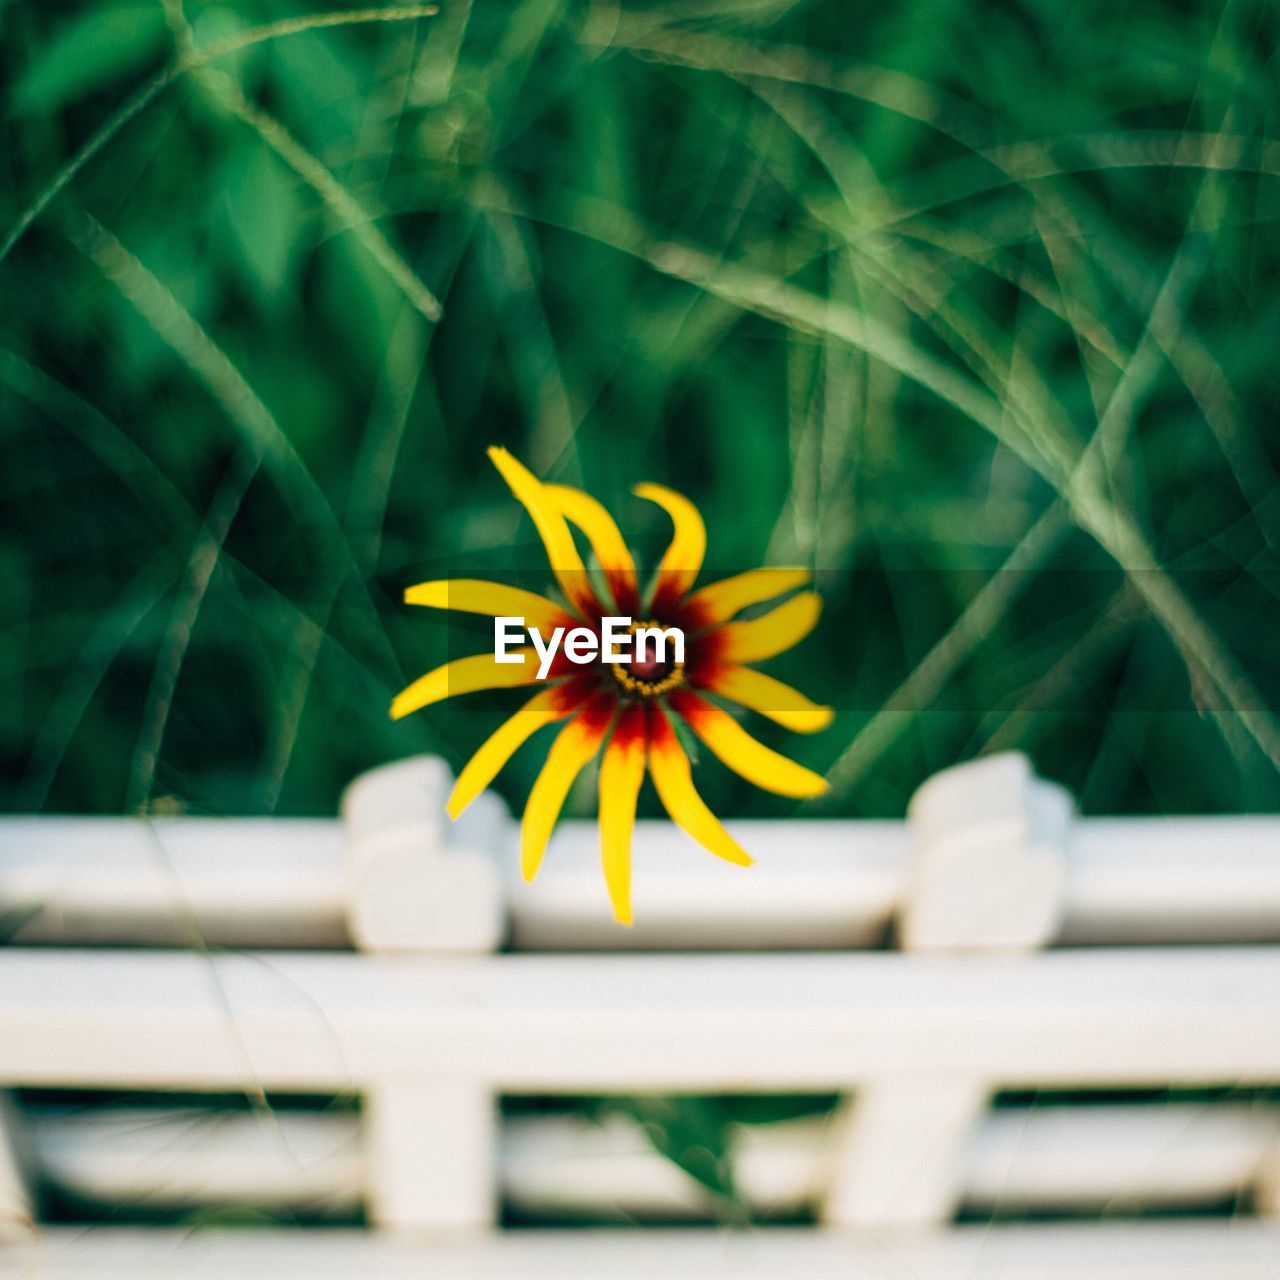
879	288
86	53
693	1133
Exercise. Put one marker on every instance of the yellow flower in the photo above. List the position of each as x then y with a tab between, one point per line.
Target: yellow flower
627	706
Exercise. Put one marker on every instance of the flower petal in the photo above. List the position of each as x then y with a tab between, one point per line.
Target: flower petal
771	633
493	599
719	601
573	748
562	551
758	692
683	557
610	550
673	778
742	753
465	675
542	709
621	774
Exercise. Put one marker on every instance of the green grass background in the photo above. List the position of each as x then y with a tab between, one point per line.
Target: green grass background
972	307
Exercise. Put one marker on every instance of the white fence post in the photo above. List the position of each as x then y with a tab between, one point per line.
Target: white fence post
419	884
897	1152
16	1211
989	845
1266	1185
989	858
432	1150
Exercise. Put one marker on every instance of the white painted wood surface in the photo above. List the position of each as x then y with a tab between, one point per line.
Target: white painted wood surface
1115	1158
989	858
175	881
284	882
393	877
418	882
737	1022
164	1157
897	1147
1119	1157
1114	1251
429	1025
432	1147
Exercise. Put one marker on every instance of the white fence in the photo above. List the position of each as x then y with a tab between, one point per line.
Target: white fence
374	969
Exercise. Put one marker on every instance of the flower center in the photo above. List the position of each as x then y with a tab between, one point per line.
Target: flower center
648	675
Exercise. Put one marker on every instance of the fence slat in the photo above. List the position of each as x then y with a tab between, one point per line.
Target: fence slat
432	1151
163	1157
288	883
175	881
1121	1156
897	1151
629	1022
1080	1158
989	862
1116	1251
419	883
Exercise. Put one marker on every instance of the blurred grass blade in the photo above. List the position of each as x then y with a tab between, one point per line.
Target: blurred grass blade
149	91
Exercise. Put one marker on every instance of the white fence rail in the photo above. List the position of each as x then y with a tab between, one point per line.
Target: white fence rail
1131	1251
721	1022
1089	1159
430	1028
397	876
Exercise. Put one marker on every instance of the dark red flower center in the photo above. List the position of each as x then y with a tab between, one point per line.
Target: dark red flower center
649	669
646	674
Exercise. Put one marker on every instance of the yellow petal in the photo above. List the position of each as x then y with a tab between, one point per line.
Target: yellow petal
759	692
562	552
610	550
673	778
465	675
772	632
573	748
683	557
542	709
719	601
742	753
493	599
621	774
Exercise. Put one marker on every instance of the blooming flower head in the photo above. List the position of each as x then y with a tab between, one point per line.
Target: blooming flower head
628	707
